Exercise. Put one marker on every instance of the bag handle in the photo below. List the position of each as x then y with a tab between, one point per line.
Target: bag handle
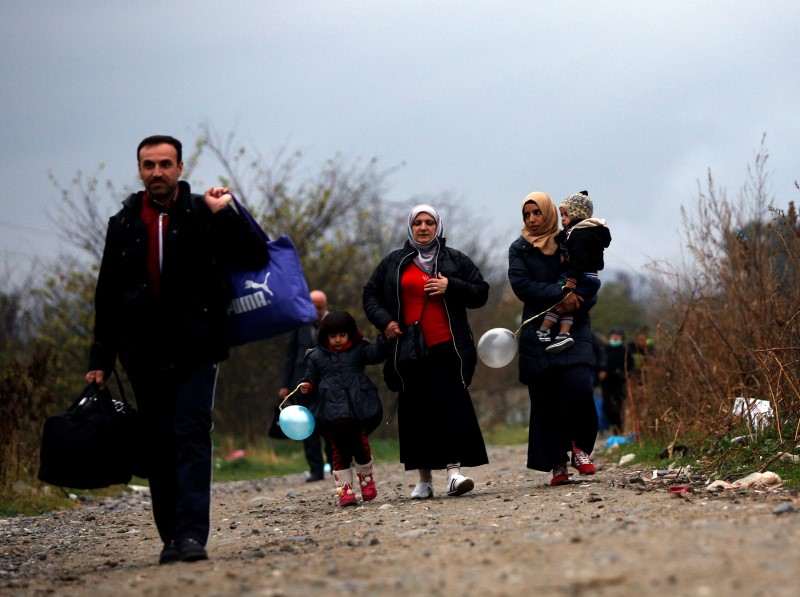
421	313
94	390
237	205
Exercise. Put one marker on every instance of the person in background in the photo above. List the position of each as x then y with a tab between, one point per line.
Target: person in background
642	347
161	306
345	401
300	342
619	362
599	344
563	415
429	282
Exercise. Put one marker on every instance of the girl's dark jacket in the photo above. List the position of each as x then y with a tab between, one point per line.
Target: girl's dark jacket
466	289
534	279
341	388
186	324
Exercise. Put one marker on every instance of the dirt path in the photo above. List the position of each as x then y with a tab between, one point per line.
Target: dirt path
617	533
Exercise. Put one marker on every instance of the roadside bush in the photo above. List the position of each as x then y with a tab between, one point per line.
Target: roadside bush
728	317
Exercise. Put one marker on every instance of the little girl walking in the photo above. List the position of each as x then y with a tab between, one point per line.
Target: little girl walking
344	400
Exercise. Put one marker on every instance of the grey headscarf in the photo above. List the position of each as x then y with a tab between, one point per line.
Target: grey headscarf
426	253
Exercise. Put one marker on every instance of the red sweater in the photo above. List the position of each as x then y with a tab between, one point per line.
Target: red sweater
435	326
156	218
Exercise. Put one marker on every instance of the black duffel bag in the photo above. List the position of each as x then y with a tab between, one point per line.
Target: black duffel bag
92	445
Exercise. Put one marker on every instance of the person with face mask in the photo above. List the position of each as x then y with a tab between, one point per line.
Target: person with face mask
619	362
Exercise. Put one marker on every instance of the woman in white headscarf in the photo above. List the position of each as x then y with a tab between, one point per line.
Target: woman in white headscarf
434	284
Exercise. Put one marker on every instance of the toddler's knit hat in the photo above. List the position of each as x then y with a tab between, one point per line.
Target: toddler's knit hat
578	206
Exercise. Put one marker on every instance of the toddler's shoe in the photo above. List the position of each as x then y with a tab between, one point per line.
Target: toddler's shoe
366	481
344	487
562	342
346	495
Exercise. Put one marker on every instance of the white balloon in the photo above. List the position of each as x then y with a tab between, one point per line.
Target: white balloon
497	347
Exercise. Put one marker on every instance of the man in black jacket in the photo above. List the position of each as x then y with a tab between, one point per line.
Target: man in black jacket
160	306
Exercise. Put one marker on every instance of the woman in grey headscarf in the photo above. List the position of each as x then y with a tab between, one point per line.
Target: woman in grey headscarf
429	282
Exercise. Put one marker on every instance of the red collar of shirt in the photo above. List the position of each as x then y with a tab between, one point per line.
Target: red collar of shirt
342	349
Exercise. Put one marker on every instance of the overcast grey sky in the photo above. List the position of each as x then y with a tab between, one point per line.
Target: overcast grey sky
488	101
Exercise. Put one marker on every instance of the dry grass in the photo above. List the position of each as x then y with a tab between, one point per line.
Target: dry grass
728	319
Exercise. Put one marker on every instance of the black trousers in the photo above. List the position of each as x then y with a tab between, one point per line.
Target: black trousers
613	400
176	406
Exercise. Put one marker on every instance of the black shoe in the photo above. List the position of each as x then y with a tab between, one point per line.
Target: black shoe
561	343
311	477
169	554
191	550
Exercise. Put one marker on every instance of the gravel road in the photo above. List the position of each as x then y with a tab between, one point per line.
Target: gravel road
621	532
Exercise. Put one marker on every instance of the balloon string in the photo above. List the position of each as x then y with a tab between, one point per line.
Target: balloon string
538	314
289	395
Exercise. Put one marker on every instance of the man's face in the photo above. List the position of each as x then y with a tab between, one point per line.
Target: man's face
320	305
160	170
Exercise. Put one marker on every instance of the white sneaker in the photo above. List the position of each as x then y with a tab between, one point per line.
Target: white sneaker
459	485
422	491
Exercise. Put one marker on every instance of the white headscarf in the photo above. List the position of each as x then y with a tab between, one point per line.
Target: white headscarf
426	253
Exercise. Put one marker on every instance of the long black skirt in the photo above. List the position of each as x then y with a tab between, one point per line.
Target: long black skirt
435	417
562	411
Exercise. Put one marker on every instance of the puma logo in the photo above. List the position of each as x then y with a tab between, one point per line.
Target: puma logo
263	286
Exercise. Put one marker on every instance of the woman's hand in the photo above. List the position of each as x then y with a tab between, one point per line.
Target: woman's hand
392	330
437	285
570	303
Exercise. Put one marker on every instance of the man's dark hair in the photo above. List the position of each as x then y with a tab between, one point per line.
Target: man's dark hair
158	140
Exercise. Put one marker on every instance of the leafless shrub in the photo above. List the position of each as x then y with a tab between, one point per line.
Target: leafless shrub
728	316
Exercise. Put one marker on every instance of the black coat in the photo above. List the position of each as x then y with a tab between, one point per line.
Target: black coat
584	249
341	387
186	323
466	289
619	362
534	276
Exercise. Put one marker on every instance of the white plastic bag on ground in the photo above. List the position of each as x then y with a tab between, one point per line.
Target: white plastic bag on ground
765	478
758	413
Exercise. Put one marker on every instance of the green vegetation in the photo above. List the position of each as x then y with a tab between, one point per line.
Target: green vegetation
728	458
506	435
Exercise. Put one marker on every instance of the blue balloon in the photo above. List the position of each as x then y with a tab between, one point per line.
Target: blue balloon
296	421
